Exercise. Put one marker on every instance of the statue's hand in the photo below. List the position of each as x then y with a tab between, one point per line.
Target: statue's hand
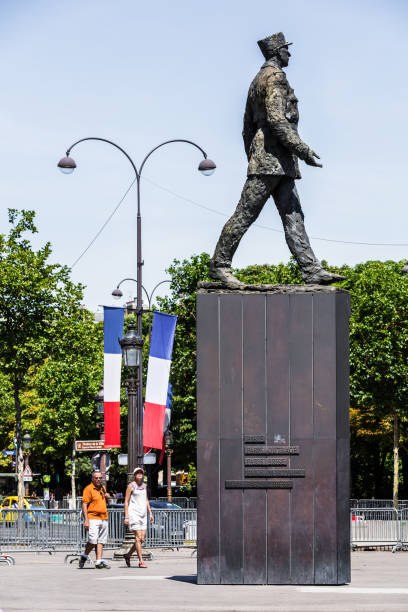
310	159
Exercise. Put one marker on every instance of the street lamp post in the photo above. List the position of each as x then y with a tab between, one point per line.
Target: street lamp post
26	440
132	344
99	399
207	167
118	293
168	439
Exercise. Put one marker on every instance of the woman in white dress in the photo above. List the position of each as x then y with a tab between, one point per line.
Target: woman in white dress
136	508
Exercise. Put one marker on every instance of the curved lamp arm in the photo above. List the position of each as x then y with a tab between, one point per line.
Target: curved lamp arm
135	281
149	297
168	142
158	285
109	142
137	172
125	279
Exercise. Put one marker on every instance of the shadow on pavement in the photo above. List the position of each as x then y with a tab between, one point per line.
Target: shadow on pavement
192	578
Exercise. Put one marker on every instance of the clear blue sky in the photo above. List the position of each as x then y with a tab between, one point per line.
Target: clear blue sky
142	72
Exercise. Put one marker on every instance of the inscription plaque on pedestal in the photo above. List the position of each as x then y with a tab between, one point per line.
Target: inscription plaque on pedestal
273	436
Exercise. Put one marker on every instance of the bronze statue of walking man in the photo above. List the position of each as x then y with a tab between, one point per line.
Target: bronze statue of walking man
273	146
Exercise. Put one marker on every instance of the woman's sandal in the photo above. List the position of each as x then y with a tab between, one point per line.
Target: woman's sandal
142	564
127	559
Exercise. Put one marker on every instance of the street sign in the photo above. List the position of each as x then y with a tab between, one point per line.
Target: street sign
9	452
27	474
96	461
148	459
122	459
89	445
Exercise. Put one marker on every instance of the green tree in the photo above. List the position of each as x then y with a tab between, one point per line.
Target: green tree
267	274
7	421
378	359
378	352
66	384
184	278
36	300
6	411
379	347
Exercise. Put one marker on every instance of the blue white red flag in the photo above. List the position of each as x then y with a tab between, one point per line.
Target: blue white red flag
161	348
113	318
167	417
169	403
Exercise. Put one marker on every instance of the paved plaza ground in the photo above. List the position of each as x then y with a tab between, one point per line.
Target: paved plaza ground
42	583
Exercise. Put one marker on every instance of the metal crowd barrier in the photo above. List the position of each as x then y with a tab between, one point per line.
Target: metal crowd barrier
172	529
62	530
66	504
183	502
39	530
377	503
116	527
376	527
404	530
191	502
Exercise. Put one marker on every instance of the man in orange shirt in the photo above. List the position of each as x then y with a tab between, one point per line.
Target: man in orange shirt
95	514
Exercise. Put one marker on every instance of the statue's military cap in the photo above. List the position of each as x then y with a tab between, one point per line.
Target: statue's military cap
273	43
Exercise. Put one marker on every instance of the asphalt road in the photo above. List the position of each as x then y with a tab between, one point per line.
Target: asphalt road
42	583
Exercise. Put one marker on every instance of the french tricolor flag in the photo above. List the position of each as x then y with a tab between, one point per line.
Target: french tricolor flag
161	348
113	318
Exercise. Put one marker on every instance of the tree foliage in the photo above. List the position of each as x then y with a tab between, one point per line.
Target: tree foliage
184	278
50	347
32	293
378	360
379	336
379	352
67	381
51	355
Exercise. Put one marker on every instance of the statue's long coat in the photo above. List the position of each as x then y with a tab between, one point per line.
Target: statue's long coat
270	133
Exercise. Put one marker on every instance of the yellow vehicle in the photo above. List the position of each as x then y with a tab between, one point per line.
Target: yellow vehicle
30	503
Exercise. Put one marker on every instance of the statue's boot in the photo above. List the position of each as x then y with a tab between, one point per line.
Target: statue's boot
313	272
224	275
323	277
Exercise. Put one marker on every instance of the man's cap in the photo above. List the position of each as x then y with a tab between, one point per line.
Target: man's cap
138	469
273	43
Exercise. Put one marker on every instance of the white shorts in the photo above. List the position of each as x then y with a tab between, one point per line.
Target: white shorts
138	523
98	531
